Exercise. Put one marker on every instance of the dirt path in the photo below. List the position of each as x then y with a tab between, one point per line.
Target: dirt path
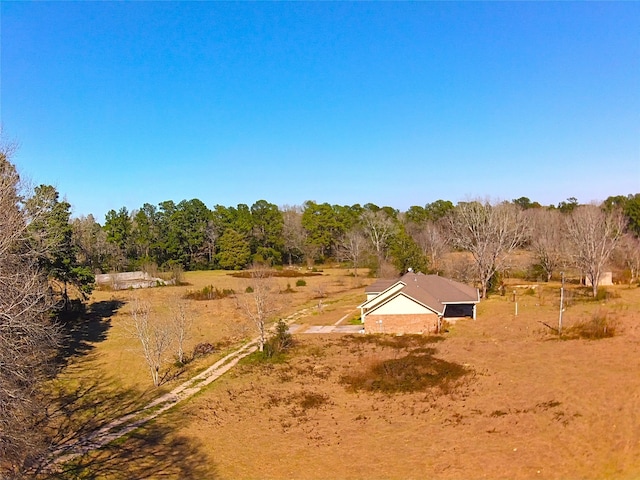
126	424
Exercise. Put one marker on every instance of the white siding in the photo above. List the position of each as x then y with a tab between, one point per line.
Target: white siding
401	305
381	296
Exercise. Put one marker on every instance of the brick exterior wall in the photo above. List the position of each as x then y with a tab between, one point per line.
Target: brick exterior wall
401	324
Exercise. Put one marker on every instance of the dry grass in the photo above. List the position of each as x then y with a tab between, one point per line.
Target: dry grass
104	341
499	398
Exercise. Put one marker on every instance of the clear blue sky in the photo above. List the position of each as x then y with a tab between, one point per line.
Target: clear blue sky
121	103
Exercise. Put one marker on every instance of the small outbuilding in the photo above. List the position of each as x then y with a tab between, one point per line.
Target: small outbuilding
416	303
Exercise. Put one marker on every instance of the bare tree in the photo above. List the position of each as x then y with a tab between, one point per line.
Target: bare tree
293	232
432	239
181	322
154	337
629	254
593	234
547	239
259	303
379	227
352	246
210	238
28	338
490	233
91	241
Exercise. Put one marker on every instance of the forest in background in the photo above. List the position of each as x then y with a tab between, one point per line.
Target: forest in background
190	236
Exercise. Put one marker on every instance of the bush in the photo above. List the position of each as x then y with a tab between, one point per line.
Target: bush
599	326
603	295
279	342
301	283
249	289
209	293
412	373
202	350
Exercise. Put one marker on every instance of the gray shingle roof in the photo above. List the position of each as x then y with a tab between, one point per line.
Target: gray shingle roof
433	291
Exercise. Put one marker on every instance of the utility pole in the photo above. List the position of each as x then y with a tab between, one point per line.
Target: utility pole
561	304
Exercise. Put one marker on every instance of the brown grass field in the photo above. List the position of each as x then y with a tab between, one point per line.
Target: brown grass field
499	398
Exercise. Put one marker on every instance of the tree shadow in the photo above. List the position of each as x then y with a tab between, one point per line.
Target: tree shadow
151	451
75	419
81	332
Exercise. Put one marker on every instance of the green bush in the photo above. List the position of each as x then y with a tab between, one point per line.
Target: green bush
301	283
279	342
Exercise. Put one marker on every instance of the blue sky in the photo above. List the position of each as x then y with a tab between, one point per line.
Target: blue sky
121	103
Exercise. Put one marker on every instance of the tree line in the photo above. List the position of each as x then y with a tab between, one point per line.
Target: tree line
192	236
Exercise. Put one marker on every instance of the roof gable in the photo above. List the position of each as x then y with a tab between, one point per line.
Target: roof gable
401	303
432	291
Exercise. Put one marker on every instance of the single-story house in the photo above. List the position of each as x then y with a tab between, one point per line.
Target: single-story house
416	303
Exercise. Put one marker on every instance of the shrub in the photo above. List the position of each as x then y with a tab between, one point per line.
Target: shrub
249	289
209	293
279	342
603	295
301	283
414	372
202	350
599	326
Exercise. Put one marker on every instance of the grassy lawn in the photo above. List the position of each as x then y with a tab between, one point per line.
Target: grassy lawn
499	397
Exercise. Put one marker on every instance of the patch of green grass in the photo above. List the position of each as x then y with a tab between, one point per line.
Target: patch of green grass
257	358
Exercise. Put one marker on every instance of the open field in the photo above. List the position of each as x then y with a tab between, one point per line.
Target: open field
500	397
107	345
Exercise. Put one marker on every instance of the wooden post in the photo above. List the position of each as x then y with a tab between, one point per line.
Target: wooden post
561	304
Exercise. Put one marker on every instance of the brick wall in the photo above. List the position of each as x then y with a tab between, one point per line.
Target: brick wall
401	323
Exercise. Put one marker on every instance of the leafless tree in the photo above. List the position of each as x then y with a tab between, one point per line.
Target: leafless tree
379	227
432	239
352	246
629	254
547	239
181	323
490	233
593	234
460	267
28	338
293	232
91	241
210	238
154	337
259	304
